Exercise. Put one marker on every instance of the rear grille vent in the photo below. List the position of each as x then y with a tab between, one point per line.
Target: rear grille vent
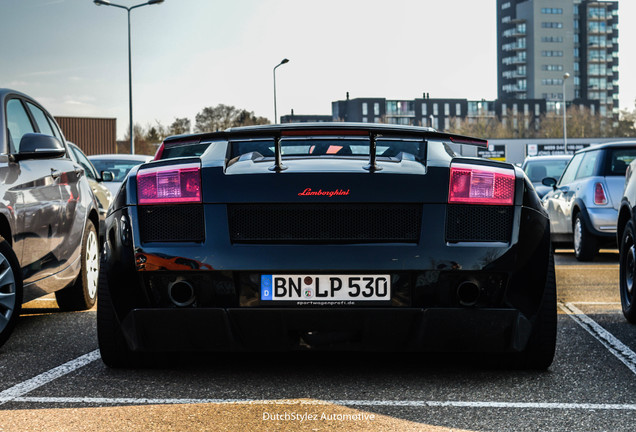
324	223
171	223
474	223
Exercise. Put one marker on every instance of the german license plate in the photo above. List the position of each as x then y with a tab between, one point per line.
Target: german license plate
326	288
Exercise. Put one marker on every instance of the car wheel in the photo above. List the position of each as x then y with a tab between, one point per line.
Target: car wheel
81	295
112	343
627	273
10	290
585	244
539	352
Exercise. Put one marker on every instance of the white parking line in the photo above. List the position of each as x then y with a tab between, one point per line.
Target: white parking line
616	347
46	377
365	403
608	340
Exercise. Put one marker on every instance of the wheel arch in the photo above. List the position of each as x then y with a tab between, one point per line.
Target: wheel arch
624	215
93	216
5	229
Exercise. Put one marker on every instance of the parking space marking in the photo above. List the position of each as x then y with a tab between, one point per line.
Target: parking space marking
595	303
361	403
608	340
46	377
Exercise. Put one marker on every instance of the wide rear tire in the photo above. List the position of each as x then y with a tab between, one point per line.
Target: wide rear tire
541	347
112	343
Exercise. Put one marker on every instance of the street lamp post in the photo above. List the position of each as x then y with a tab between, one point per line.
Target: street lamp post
283	61
565	124
128	9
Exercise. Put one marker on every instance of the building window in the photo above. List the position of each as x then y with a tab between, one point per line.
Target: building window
376	120
552	53
552	24
537	110
504	108
552	11
365	120
551	39
506	5
446	123
423	109
526	109
551	81
458	109
552	67
435	109
376	109
365	108
446	109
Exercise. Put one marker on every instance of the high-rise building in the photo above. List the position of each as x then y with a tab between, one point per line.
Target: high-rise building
548	46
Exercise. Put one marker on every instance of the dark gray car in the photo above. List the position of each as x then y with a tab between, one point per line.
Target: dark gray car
48	214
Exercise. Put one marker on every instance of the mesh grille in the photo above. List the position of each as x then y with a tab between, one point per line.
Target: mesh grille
479	223
171	223
324	223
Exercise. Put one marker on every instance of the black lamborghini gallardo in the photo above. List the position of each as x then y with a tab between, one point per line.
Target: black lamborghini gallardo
330	236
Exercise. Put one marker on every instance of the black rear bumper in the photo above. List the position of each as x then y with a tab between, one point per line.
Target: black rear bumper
366	329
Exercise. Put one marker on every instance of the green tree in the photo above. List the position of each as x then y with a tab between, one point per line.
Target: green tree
179	126
220	117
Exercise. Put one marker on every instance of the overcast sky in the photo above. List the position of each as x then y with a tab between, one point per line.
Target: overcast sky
71	55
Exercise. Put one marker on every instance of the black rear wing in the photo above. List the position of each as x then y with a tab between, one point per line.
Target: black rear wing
372	130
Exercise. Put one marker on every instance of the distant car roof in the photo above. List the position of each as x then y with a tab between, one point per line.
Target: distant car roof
122	156
549	157
608	144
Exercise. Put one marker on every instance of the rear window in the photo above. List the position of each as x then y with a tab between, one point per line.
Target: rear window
540	169
321	146
186	150
618	160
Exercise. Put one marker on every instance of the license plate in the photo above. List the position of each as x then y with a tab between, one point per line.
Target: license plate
348	289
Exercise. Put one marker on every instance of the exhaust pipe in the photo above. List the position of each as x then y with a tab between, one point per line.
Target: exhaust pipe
468	293
181	293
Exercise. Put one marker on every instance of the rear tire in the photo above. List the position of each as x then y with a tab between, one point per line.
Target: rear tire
112	343
82	294
585	243
541	347
627	272
10	290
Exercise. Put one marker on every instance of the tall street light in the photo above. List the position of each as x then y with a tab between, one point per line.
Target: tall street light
565	124
128	9
282	62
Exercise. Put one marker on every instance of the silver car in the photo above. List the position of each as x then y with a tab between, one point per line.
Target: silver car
583	205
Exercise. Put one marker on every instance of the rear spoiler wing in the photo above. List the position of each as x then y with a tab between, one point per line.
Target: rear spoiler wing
372	130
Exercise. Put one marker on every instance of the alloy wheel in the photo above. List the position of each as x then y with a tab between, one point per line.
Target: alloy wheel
7	292
92	264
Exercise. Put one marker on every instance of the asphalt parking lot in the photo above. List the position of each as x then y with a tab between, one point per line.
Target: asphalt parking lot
52	379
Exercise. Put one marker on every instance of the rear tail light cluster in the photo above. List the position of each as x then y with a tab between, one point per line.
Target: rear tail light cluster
599	194
173	184
481	184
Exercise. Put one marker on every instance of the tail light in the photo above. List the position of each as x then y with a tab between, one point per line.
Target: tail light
481	184
173	184
599	194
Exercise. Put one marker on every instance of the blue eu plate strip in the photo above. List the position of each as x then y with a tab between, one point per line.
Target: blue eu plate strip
266	287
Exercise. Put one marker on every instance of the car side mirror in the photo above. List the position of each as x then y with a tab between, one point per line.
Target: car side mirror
39	146
107	176
549	181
